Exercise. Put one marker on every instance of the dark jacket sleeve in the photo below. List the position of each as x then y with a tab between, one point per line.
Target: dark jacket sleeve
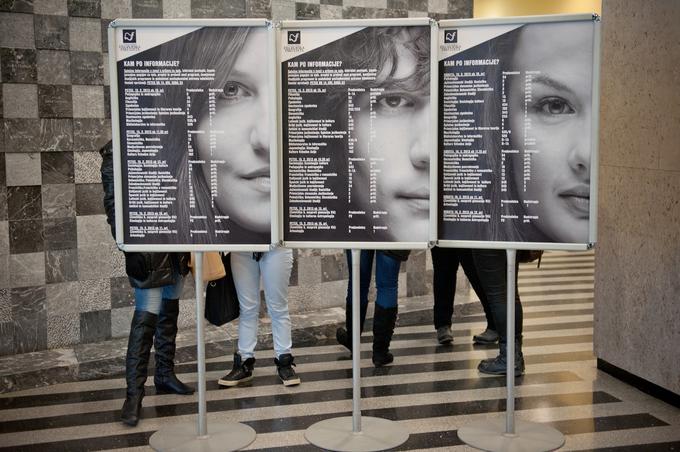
107	182
144	270
400	255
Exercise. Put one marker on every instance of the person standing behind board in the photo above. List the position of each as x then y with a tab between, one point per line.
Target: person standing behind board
157	279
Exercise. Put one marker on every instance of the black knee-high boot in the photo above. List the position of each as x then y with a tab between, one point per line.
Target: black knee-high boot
344	335
165	379
384	320
499	364
136	363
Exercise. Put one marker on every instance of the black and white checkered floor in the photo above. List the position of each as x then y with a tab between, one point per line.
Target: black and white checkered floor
431	390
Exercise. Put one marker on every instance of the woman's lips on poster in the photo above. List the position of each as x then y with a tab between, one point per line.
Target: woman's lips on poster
259	178
577	199
418	199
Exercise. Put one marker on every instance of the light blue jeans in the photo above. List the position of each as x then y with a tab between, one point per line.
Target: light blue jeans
150	300
274	267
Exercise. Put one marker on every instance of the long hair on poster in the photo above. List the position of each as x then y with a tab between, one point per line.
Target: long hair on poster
516	131
208	111
355	137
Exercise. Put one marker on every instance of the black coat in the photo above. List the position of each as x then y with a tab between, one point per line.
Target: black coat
145	270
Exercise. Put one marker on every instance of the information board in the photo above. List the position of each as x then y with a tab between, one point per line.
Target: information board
357	132
518	131
194	112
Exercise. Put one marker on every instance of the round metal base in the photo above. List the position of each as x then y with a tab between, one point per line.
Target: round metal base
231	436
529	436
376	434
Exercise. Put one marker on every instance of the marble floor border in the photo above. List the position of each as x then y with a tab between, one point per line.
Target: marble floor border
107	358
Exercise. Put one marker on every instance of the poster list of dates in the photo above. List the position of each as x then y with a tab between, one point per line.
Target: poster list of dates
334	168
492	133
169	139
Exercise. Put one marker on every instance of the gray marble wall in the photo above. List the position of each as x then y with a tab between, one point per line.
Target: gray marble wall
637	270
63	281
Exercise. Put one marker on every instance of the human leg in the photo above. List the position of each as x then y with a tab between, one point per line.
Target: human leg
344	335
246	272
276	266
445	266
385	317
142	328
165	379
491	268
490	334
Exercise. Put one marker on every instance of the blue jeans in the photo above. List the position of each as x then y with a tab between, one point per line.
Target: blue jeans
274	267
386	279
150	300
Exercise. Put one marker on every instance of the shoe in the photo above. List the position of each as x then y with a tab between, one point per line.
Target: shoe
343	338
284	367
499	364
384	320
165	380
142	329
487	337
444	335
242	372
382	358
344	335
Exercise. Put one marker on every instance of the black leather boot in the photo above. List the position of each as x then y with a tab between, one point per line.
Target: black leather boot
165	380
384	320
136	363
344	335
499	364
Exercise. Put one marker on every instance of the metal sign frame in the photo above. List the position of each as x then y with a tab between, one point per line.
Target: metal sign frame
594	139
432	142
117	152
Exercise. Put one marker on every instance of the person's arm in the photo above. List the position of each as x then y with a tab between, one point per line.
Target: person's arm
107	182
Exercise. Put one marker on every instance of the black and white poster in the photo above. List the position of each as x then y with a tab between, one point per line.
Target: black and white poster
194	109
516	132
356	133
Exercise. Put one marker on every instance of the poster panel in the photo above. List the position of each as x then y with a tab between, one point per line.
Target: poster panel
357	141
194	108
517	132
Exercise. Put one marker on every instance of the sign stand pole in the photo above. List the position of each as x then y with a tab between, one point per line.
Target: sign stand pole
356	433
186	436
511	435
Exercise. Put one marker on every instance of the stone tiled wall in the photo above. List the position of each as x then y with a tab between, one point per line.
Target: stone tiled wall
637	265
63	281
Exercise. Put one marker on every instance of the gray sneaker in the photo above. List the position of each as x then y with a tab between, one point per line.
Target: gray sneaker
444	335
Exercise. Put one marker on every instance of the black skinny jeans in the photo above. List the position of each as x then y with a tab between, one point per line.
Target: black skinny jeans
491	268
445	264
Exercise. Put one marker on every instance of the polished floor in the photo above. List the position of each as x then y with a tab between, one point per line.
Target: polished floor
430	390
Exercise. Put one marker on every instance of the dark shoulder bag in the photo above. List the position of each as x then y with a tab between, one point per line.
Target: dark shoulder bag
221	299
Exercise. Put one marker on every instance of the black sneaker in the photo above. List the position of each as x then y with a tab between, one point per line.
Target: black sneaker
284	367
342	336
242	372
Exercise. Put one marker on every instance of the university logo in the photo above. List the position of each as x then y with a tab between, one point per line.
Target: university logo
294	37
129	36
450	36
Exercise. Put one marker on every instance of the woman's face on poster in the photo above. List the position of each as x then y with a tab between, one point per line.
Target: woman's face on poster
395	135
241	146
554	122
